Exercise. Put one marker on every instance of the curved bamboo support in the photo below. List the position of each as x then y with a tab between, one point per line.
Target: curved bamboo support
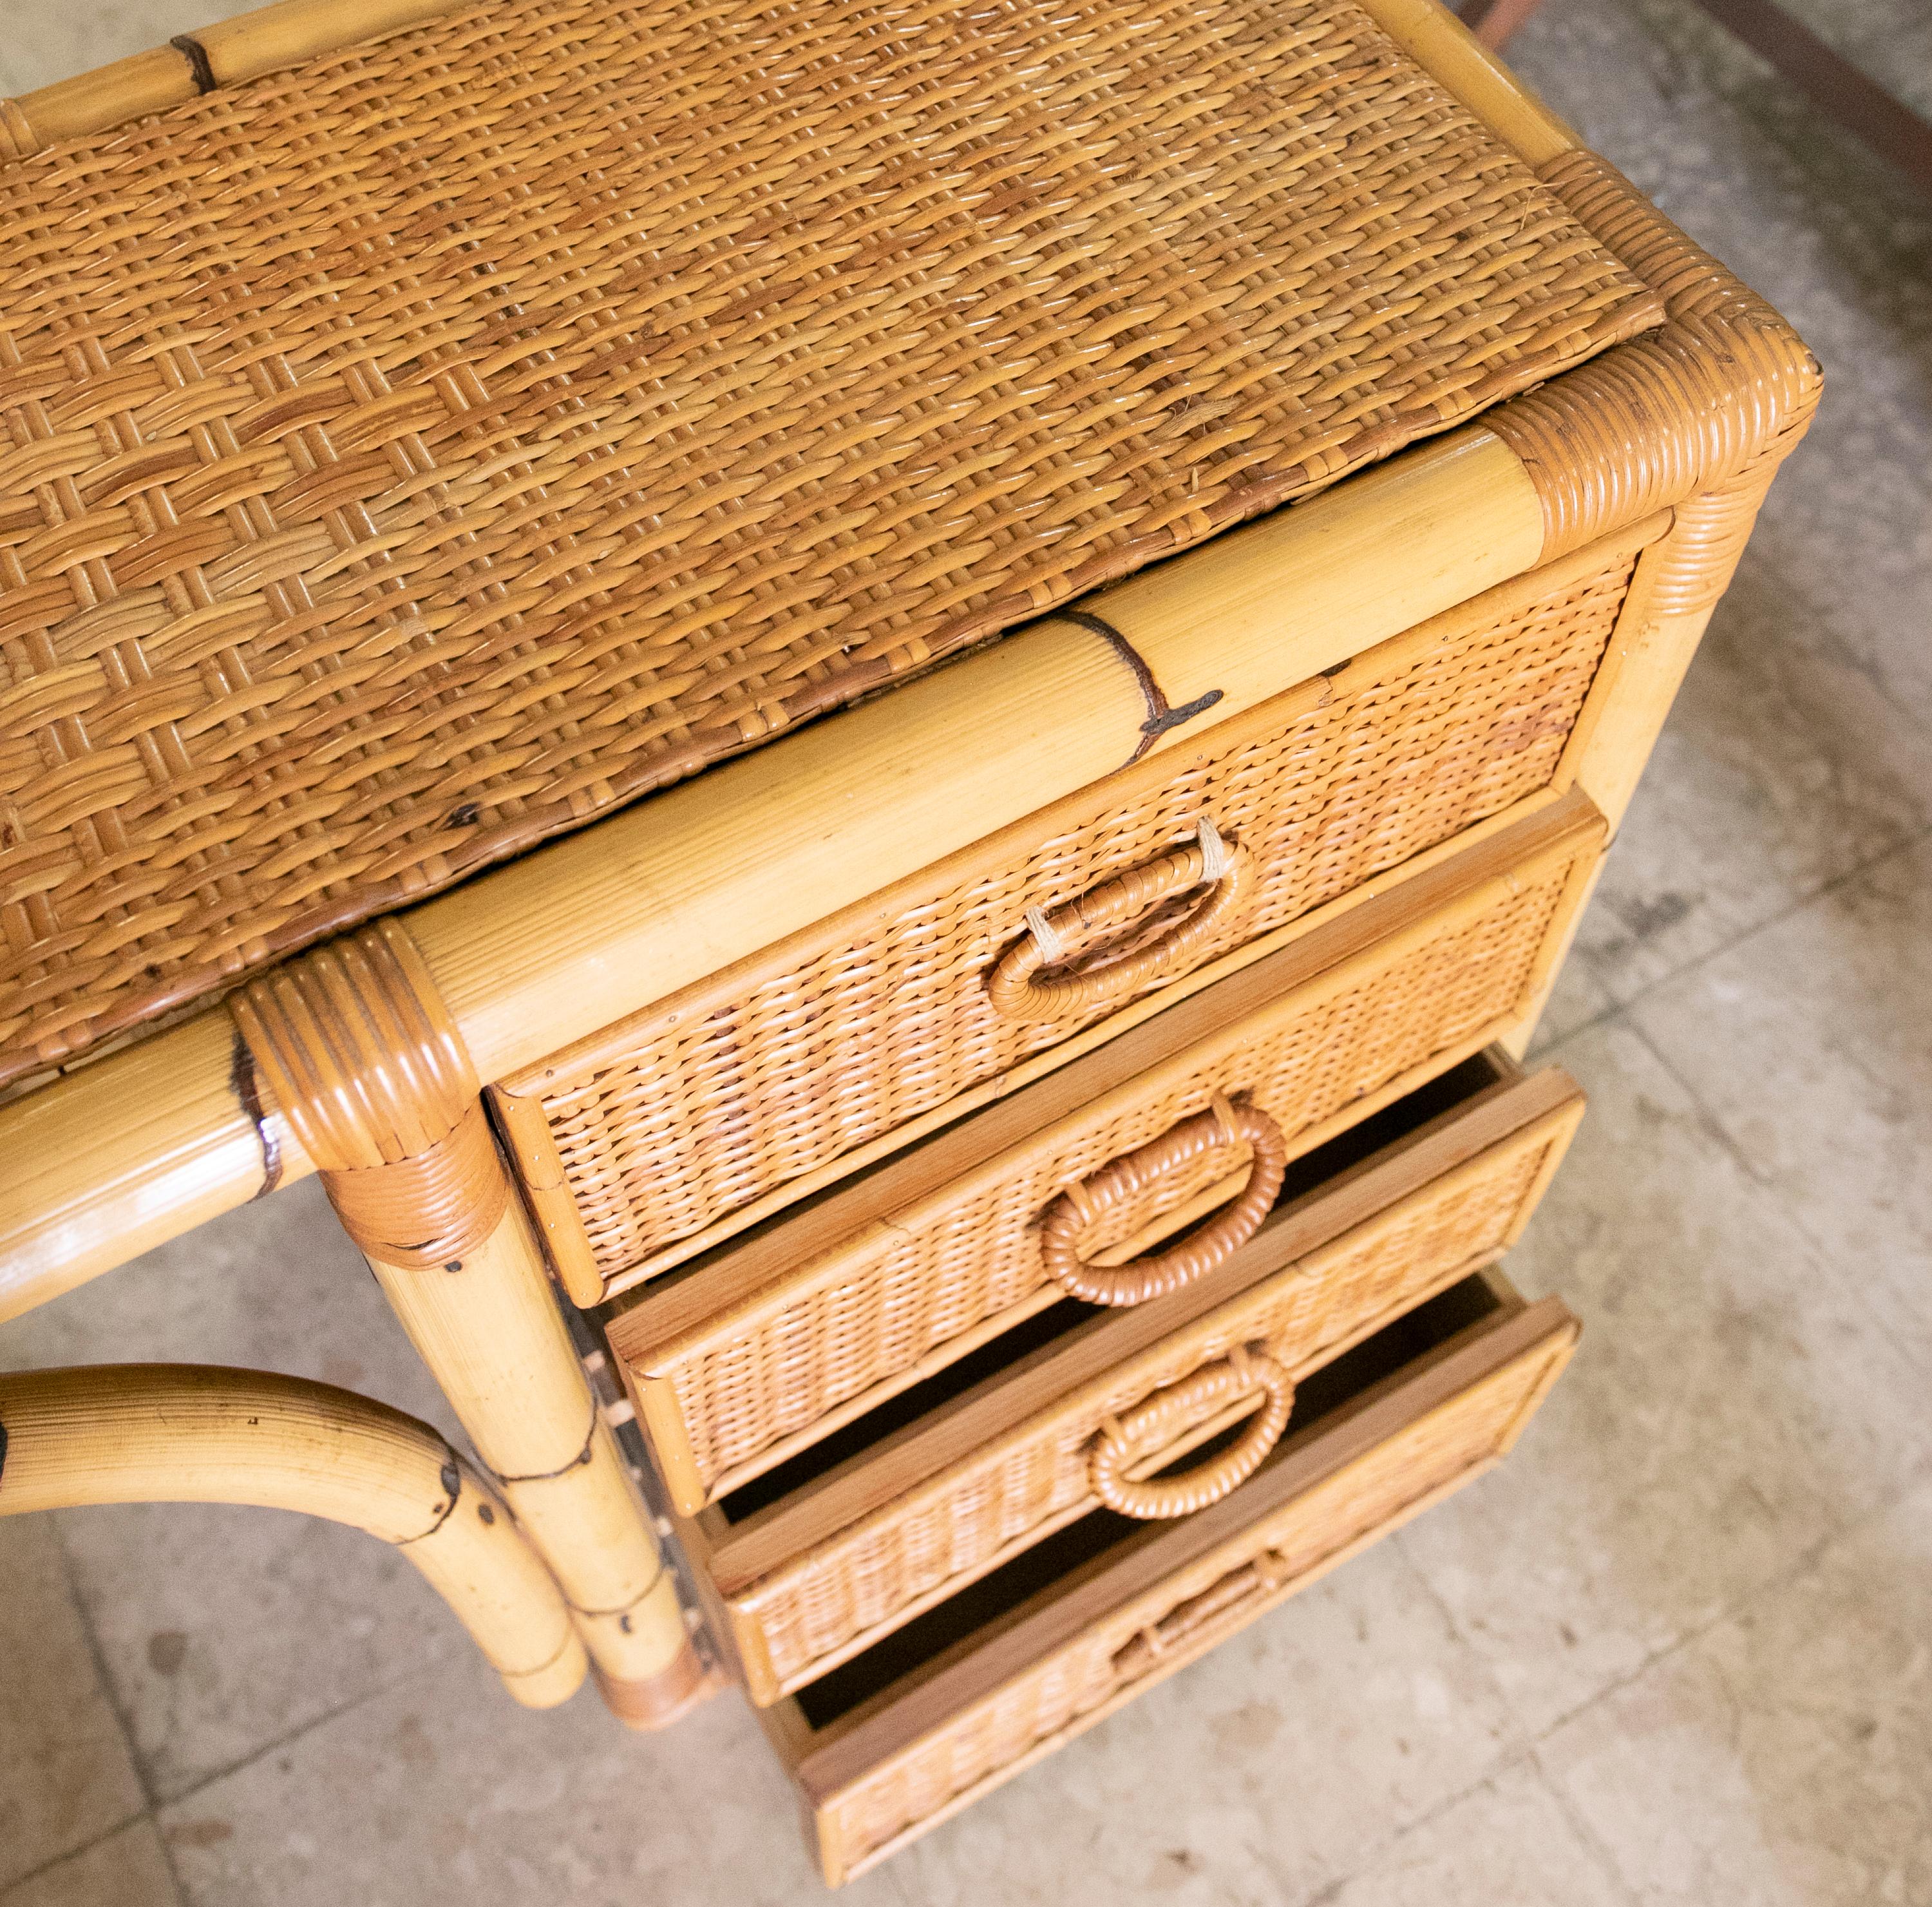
192	1433
353	1046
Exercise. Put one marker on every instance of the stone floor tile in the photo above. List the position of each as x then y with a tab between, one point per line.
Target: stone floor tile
1781	1759
1509	1843
1257	1775
1811	1046
66	1778
225	1629
128	1869
43	44
438	1793
1779	772
1733	1402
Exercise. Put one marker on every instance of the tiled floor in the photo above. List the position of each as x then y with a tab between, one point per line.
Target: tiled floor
1678	1651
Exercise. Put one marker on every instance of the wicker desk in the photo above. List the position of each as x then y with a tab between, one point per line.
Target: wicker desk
879	724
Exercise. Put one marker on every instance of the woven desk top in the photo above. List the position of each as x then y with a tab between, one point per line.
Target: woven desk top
417	451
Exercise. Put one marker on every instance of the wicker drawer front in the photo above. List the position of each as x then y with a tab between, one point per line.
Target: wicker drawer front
882	1754
751	1354
655	1137
934	1507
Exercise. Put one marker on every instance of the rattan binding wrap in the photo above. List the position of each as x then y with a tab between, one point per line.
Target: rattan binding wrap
419	450
873	1309
1724	385
991	1503
359	1057
1186	1614
693	1109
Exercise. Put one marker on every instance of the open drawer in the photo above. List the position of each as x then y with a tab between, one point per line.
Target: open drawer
755	1351
817	1558
983	1684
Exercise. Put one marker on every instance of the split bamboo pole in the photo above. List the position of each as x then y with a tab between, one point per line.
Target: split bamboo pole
192	1433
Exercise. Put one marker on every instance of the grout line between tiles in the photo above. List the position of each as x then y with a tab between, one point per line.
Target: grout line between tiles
111	1694
277	1742
1588	1838
20	1881
1905	844
1806	1560
1917	1355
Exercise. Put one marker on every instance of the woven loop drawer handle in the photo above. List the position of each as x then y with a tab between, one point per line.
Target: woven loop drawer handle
1154	1274
1019	989
1259	1576
1167	1414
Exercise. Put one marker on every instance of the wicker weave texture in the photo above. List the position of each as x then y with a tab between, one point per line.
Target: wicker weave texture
951	1528
705	1106
902	1293
415	451
1260	1567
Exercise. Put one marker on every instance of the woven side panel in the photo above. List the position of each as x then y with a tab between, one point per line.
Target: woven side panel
1416	743
415	451
954	1526
964	1257
1049	1700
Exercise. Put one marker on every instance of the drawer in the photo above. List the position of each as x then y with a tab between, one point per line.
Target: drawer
990	1680
655	1139
768	1343
817	1559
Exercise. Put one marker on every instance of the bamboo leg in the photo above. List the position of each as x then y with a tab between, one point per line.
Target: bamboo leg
191	1433
355	1050
490	1332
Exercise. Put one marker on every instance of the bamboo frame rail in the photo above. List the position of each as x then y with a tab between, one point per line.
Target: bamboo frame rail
140	1145
245	47
188	1433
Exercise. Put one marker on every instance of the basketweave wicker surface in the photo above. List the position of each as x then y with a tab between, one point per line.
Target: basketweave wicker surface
1233	1584
417	450
958	1524
697	1108
962	1257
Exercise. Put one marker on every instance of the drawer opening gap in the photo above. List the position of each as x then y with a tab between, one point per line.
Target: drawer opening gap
1307	1175
1320	1396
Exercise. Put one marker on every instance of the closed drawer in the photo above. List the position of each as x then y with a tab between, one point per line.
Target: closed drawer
820	1556
988	1682
701	1114
770	1343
